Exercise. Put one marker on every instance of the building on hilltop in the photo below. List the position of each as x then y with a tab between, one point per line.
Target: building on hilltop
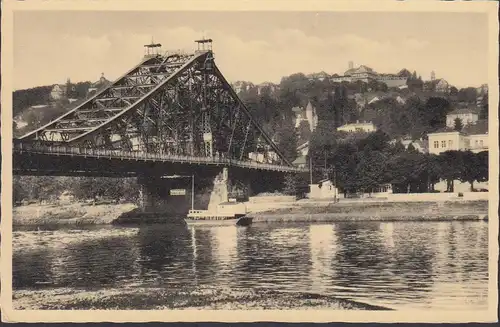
102	82
366	127
58	92
318	76
437	85
366	74
361	73
393	80
267	85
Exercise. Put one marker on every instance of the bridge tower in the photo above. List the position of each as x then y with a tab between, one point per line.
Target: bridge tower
205	45
152	50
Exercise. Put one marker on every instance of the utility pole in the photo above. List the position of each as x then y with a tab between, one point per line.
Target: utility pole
192	192
310	170
335	183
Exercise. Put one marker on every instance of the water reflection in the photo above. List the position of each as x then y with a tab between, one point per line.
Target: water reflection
322	242
400	265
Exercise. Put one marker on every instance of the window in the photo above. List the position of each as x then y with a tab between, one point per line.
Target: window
481	143
476	142
450	143
436	144
443	144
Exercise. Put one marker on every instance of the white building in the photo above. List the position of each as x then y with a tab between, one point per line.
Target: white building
467	116
442	86
58	91
324	190
267	85
366	127
478	142
478	136
321	76
367	74
447	141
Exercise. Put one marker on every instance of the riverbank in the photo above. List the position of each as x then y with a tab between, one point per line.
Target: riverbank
160	298
69	214
322	211
299	211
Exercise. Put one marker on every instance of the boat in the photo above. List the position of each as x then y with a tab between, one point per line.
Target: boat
214	218
226	213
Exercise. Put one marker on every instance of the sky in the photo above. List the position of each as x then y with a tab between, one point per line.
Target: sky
52	46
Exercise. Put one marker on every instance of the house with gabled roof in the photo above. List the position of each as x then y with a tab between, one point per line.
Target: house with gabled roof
468	116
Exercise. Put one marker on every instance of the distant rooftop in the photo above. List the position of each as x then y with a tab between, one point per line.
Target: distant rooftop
464	111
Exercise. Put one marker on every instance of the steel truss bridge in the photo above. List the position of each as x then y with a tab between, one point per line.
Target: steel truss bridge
173	107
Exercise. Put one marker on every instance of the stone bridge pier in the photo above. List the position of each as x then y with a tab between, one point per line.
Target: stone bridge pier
173	196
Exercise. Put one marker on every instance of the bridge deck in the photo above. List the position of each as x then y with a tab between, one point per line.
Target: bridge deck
145	156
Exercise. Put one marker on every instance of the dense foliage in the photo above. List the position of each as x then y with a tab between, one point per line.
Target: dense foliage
366	162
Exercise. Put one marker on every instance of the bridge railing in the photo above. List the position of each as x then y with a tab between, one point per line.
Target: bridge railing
140	155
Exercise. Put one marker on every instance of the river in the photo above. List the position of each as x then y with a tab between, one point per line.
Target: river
397	265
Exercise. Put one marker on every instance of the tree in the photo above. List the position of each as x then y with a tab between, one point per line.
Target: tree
434	170
377	141
290	184
397	148
483	113
287	140
407	172
470	171
453	161
371	170
411	148
304	131
468	95
345	159
482	166
435	111
458	124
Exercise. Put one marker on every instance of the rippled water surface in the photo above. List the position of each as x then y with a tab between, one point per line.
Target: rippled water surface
401	265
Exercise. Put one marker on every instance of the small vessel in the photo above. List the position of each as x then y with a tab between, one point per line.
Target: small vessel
211	217
226	213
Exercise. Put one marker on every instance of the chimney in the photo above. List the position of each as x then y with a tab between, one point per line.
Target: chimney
351	65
